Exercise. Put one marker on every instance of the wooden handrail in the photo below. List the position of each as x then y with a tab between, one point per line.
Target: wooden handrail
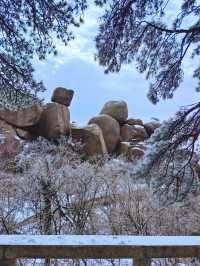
140	248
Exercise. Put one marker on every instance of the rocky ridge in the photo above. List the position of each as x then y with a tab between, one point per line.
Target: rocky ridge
110	132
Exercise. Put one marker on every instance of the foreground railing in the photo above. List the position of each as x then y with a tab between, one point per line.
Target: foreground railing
139	248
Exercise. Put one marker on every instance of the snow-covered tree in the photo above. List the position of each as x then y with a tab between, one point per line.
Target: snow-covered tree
50	189
171	157
28	29
144	32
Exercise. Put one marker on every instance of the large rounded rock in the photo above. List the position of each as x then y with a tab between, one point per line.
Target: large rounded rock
54	122
139	133
9	147
134	122
110	129
6	129
132	153
92	138
24	135
117	110
62	96
9	143
9	130
22	118
123	148
126	133
151	127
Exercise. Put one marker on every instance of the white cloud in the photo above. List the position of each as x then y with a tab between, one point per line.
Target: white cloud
75	68
83	46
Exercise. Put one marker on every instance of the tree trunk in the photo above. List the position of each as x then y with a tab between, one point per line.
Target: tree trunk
47	215
142	262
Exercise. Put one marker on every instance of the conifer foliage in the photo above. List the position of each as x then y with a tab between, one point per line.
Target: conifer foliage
143	31
29	28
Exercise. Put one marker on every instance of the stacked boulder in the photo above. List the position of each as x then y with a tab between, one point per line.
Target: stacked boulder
50	121
92	138
123	136
110	132
107	124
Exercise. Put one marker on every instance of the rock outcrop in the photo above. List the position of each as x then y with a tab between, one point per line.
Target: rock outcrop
6	129
54	122
110	128
109	132
117	110
133	153
123	148
62	96
24	134
139	133
126	132
92	138
134	122
22	118
151	127
9	142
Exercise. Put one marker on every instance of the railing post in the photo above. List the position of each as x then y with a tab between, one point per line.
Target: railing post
142	262
8	262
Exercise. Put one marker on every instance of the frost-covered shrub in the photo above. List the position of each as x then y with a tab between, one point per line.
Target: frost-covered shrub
55	191
62	189
139	212
77	193
170	158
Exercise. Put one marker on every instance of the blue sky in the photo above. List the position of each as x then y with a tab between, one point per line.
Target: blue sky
75	68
